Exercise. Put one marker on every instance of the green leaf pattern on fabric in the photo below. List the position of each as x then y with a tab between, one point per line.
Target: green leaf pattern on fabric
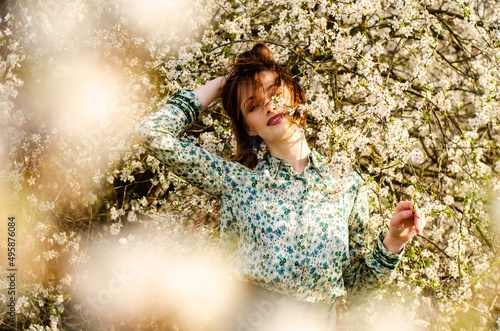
281	230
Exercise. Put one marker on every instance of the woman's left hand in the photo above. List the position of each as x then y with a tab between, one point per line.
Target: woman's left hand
403	225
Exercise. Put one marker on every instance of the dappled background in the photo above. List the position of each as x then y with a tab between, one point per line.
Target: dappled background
406	92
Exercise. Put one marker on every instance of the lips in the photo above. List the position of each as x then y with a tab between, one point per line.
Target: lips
276	119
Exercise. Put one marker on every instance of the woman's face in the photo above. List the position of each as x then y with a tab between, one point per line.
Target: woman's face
265	118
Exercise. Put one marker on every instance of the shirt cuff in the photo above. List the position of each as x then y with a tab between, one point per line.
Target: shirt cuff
188	102
385	257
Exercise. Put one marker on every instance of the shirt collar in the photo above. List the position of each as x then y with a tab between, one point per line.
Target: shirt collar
315	161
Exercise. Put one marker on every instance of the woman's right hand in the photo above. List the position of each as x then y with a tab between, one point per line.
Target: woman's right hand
211	91
220	81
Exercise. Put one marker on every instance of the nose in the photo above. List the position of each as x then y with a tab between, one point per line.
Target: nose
271	106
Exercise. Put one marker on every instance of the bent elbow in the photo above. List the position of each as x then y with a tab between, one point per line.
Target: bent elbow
145	130
141	130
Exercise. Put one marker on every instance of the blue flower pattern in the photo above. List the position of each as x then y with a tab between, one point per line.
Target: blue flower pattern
280	229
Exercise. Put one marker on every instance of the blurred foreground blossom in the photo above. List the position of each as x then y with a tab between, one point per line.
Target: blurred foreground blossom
154	276
405	92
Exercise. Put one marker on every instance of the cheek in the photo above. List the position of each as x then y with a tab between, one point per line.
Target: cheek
251	120
286	108
287	96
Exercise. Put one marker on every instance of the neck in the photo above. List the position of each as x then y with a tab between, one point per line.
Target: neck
293	150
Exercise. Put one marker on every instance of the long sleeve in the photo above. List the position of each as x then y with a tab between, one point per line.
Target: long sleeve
159	131
370	264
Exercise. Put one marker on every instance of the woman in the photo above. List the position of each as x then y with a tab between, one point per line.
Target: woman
283	228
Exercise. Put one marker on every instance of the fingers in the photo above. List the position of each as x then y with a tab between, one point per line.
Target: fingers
416	216
419	222
402	215
406	218
404	205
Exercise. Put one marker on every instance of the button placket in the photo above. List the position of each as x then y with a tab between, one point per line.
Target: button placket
306	241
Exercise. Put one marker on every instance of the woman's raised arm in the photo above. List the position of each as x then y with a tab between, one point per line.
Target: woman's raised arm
211	91
159	131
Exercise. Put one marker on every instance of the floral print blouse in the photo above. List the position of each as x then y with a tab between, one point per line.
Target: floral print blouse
281	230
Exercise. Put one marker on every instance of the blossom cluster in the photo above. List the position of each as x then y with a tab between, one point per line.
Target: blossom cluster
406	92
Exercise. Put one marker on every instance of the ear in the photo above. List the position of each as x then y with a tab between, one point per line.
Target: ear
250	132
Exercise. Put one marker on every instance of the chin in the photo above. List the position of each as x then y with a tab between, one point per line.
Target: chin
285	133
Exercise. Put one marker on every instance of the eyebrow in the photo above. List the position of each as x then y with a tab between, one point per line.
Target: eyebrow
247	103
269	88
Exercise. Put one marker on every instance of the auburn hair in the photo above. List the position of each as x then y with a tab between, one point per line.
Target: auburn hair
243	73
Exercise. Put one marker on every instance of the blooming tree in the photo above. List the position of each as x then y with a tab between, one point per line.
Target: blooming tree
406	92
